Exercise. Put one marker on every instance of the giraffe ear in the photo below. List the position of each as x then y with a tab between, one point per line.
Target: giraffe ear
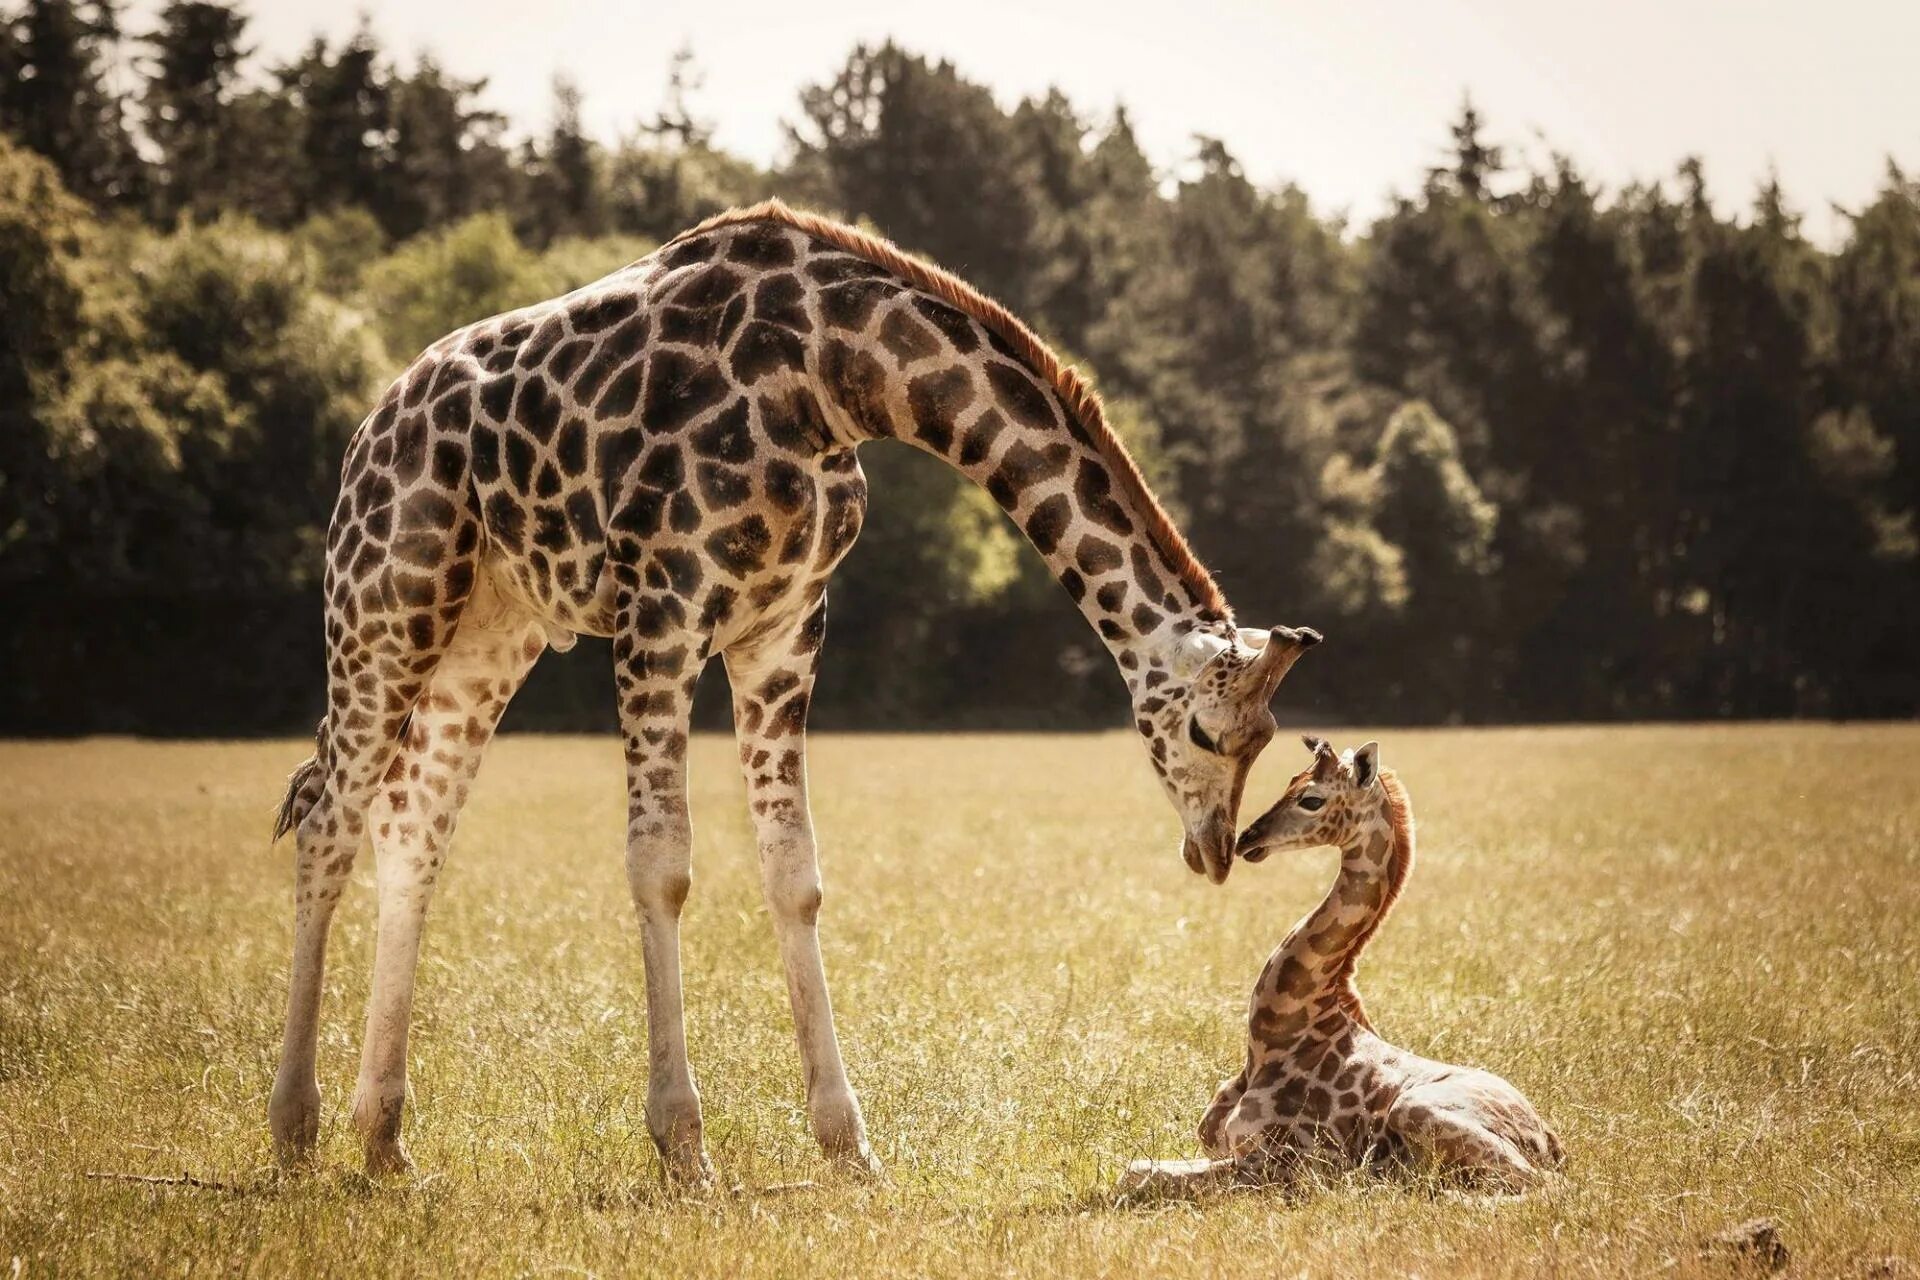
1366	764
1275	652
1194	651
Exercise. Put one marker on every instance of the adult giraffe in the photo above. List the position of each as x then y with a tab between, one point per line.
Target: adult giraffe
666	457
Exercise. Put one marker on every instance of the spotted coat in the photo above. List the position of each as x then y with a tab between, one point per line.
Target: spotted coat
667	457
1320	1086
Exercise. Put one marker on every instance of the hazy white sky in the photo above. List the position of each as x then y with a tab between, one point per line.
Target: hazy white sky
1348	98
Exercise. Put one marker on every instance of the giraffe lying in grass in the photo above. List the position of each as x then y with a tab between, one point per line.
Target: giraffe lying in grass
1320	1089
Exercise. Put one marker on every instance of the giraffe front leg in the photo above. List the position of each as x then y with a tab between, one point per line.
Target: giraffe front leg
772	688
412	820
656	698
1149	1180
1212	1132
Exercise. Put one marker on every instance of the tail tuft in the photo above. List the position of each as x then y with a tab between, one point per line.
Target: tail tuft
303	787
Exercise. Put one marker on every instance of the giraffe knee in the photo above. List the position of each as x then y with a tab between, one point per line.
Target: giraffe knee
324	855
660	868
790	876
796	901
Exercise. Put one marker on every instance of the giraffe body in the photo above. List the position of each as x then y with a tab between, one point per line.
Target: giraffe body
1320	1088
667	457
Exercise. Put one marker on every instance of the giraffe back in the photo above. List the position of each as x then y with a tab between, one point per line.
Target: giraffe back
648	444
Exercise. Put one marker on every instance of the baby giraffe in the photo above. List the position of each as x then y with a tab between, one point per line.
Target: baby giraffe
1320	1089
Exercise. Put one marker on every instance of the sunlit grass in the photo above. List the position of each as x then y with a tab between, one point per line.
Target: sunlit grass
1696	949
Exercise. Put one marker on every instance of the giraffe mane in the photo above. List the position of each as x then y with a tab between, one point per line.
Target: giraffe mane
1079	397
1399	865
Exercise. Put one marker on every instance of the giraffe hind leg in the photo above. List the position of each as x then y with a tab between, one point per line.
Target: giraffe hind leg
389	620
1450	1140
360	741
412	821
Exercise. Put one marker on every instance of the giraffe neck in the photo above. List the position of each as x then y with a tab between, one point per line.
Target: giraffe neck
925	373
1320	953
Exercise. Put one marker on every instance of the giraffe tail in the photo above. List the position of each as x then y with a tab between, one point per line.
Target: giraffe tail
303	787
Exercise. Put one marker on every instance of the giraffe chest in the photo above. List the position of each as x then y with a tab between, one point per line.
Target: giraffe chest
1325	1098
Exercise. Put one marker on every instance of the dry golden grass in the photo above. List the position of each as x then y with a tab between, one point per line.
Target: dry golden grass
1695	948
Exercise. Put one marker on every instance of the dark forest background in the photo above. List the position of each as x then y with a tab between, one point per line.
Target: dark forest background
1524	448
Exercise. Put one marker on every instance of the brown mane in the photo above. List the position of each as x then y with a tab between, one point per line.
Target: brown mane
1079	398
1399	865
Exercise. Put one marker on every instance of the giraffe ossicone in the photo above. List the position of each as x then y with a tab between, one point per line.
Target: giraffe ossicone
667	457
1320	1090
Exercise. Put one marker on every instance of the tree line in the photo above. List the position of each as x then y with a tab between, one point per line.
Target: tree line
1525	447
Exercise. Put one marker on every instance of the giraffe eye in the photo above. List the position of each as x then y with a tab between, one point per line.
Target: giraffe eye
1200	737
1311	803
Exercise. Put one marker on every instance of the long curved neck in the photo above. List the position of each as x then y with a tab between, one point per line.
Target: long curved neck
1319	955
921	371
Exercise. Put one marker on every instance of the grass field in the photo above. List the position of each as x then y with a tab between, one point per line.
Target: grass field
1697	949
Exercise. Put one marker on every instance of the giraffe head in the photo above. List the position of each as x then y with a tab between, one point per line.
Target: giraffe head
1205	723
1327	803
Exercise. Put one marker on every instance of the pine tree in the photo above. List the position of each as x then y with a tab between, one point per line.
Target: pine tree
565	196
188	104
345	105
55	56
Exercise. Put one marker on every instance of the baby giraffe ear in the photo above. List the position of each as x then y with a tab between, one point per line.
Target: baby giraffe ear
1366	764
1315	745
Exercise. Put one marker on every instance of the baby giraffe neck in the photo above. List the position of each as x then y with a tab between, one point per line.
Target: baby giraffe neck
1317	959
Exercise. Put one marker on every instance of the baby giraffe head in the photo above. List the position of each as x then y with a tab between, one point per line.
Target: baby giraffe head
1330	802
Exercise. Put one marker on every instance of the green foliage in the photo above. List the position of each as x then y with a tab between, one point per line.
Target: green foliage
1531	448
56	99
189	108
178	404
565	193
658	190
446	158
443	280
1426	503
343	243
572	261
140	443
922	152
44	235
440	281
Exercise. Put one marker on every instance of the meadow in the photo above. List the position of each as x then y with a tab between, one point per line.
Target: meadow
1696	948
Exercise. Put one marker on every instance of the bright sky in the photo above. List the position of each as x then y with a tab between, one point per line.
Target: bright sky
1348	98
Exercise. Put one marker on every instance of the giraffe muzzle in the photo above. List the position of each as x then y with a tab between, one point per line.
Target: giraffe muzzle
1211	853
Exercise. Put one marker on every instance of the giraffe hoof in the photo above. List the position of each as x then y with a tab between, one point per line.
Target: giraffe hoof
294	1157
690	1174
860	1162
387	1160
293	1117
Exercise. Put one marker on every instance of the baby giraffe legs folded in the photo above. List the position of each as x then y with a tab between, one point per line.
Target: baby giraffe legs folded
1465	1129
